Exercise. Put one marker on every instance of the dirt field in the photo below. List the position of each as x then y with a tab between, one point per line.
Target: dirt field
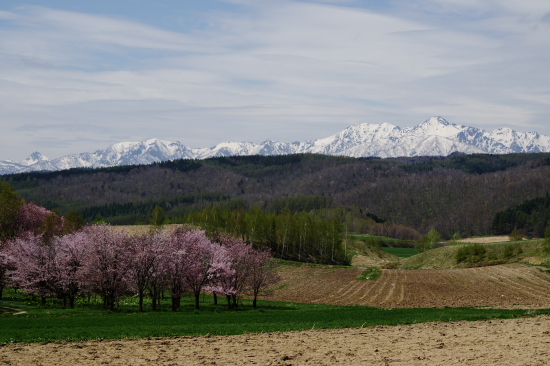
505	286
498	342
486	239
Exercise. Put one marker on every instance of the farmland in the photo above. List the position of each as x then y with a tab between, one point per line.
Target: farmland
504	286
308	298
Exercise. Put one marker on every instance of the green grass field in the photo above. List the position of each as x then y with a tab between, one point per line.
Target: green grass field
87	322
367	236
401	252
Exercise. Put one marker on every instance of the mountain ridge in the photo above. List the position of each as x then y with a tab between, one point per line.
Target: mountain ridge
433	137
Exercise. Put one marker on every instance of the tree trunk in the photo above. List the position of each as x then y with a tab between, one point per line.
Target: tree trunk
229	306
111	302
215	298
71	301
141	295
176	302
254	301
197	300
43	300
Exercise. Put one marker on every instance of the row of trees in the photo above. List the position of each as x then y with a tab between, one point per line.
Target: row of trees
48	255
301	236
111	263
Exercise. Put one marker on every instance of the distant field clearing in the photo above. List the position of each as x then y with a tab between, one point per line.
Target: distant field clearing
487	239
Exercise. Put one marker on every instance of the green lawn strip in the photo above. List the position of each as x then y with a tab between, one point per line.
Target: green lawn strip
40	325
367	236
401	252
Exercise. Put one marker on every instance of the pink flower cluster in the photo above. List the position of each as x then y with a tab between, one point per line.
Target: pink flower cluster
112	264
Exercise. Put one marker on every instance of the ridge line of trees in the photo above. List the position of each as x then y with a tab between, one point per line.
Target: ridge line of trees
300	236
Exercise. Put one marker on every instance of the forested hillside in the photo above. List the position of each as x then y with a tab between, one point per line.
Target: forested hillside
457	193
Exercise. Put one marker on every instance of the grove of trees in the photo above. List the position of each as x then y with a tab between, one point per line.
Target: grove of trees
47	255
301	236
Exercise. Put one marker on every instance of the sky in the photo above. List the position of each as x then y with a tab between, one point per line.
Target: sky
79	75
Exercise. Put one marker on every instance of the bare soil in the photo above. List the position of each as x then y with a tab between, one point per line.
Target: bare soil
524	341
486	239
499	342
505	286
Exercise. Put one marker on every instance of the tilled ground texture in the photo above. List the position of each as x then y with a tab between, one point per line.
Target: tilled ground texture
504	286
499	342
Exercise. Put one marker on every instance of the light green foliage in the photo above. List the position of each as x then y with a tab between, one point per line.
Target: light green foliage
99	220
157	216
303	236
434	237
455	239
423	245
429	241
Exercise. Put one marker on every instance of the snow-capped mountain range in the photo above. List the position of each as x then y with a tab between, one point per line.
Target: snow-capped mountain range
433	137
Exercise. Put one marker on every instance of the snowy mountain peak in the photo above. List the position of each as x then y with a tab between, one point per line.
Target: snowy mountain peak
437	120
34	158
435	136
434	123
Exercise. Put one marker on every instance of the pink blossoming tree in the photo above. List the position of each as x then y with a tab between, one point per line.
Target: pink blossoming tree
105	265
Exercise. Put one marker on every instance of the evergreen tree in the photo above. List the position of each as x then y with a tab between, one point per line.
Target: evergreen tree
10	203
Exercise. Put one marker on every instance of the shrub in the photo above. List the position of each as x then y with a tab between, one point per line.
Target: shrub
455	239
516	235
470	253
511	250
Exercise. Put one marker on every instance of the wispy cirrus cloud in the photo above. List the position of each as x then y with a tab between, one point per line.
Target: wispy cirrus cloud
284	70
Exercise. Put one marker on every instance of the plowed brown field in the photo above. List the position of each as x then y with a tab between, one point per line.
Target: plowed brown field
500	342
504	286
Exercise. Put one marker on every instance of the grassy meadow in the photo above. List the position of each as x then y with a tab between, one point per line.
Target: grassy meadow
401	252
532	251
87	322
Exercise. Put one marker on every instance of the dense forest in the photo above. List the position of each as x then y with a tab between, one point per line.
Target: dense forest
459	193
532	217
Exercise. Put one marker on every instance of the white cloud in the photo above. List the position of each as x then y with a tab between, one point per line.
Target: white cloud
287	70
